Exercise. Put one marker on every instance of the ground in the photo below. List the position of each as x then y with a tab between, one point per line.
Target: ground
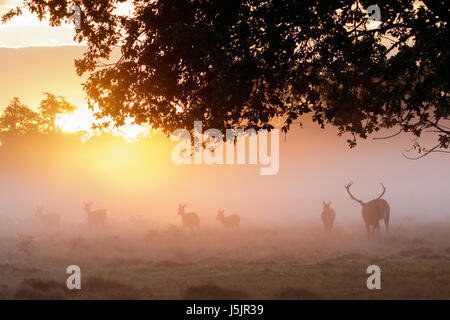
292	262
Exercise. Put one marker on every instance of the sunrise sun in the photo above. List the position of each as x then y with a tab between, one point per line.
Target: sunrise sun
83	119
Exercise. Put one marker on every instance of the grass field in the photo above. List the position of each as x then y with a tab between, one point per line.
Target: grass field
260	263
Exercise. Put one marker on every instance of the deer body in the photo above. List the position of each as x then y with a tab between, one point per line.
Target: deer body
189	220
373	211
328	216
231	222
95	217
49	219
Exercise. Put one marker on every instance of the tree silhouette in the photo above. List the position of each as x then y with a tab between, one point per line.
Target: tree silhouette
50	108
245	63
18	120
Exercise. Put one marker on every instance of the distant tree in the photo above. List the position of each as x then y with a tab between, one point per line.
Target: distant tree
18	120
50	108
243	63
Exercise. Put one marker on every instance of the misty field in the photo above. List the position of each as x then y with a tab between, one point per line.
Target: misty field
253	263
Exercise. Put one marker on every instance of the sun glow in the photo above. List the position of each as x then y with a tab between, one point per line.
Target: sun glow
83	120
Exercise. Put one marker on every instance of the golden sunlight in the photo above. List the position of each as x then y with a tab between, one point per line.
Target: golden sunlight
83	119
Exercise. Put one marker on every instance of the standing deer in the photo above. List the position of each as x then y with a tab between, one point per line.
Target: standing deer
231	222
49	219
328	216
189	220
96	217
374	210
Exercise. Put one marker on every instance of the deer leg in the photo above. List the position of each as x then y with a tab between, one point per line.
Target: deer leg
376	227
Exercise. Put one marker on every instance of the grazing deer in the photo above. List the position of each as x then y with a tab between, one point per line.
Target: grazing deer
328	216
96	217
49	219
374	210
189	220
231	222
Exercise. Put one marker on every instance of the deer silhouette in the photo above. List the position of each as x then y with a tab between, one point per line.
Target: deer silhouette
373	211
328	216
96	217
231	222
49	219
189	220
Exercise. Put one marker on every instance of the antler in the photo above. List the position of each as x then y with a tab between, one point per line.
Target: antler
384	190
348	190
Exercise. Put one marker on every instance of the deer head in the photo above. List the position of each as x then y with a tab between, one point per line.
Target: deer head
181	208
326	205
220	215
87	206
347	187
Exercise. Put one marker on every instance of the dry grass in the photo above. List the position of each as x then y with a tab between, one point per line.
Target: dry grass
213	292
278	263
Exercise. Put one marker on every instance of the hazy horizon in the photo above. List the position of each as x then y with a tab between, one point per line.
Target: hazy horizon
314	165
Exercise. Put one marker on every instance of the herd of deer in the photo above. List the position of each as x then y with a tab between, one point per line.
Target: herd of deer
372	212
191	220
95	218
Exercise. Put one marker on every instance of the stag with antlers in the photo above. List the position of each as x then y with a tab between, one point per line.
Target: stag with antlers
373	211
